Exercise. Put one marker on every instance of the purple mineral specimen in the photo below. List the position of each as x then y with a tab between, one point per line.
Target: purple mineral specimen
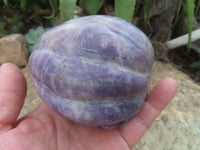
94	70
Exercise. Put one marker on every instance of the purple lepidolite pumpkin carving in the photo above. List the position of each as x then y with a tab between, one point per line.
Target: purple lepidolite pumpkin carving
94	70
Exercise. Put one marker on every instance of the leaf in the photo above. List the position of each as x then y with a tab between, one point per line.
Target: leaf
146	11
190	13
33	35
189	9
23	4
195	65
91	7
53	4
67	9
124	9
5	2
197	8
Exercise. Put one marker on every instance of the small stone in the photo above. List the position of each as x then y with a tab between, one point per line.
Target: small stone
13	49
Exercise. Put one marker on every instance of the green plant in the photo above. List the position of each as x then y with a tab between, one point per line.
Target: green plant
67	9
5	2
197	5
189	10
19	15
91	6
8	24
146	11
15	24
33	35
54	6
2	29
27	6
190	13
123	9
23	5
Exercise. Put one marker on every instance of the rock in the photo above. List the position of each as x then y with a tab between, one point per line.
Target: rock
13	49
178	126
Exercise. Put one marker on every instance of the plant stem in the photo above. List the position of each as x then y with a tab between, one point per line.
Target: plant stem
190	13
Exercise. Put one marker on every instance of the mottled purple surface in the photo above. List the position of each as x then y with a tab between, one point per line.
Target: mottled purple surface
94	70
100	114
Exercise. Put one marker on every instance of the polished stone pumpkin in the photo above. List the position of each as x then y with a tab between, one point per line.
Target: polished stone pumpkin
94	70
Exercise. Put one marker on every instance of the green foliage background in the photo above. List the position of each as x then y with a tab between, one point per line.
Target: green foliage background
63	10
